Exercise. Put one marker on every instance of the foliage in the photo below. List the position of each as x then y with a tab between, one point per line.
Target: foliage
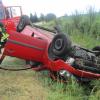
42	17
50	17
88	24
33	18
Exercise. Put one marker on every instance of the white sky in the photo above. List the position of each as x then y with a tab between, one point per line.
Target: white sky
58	7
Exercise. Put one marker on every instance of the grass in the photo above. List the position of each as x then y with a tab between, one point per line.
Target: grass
85	40
22	85
73	90
29	85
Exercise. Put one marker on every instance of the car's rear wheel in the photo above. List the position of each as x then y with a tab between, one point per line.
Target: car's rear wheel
24	20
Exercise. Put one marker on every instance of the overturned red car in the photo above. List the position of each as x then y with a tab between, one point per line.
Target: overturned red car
53	52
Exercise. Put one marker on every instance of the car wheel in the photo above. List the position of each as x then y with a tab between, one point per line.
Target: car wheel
24	20
97	48
60	45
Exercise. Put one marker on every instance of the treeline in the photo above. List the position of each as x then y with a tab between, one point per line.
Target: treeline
50	16
88	23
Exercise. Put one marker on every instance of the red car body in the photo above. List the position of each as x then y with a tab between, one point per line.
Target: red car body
10	16
32	45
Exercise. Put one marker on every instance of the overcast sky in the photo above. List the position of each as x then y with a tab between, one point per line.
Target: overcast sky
59	7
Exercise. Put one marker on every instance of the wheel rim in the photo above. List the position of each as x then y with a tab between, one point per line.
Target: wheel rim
58	44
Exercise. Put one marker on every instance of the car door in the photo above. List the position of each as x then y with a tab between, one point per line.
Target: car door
25	47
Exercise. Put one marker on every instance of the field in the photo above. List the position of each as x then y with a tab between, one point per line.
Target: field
30	85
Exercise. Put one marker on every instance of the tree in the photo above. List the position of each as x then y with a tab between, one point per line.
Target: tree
42	17
50	17
33	18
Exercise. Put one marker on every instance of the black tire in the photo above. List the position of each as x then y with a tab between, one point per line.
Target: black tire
60	45
97	48
24	20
